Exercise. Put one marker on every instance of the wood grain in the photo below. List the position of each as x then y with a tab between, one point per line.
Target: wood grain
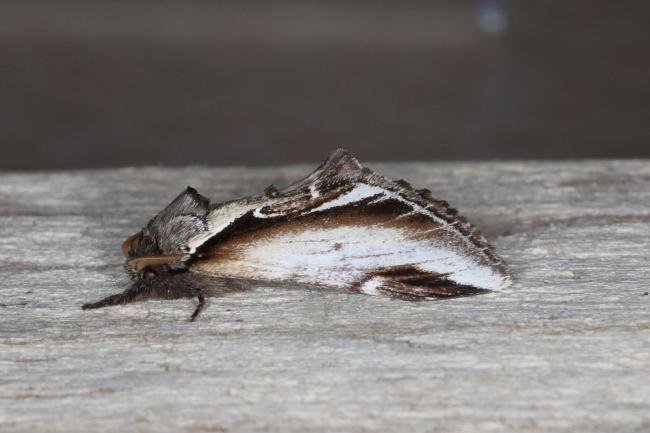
566	350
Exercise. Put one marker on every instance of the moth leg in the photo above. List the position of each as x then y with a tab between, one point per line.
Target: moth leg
172	286
191	285
199	307
179	288
133	294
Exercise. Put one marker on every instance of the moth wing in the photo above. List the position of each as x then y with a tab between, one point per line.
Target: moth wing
353	247
189	202
183	219
339	167
344	225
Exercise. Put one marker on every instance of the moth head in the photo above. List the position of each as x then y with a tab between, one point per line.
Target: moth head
141	244
164	243
131	244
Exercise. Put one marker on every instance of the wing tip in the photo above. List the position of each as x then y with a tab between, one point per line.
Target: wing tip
340	160
410	283
505	286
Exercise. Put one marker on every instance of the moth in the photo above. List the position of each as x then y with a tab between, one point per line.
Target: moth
344	226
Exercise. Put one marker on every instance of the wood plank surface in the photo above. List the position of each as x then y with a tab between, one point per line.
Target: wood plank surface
566	350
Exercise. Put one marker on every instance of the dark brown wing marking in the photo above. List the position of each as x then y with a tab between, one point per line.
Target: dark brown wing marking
412	284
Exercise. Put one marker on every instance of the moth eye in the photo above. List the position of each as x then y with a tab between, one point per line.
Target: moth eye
186	249
148	274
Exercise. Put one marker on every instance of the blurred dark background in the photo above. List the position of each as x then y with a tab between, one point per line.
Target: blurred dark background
109	83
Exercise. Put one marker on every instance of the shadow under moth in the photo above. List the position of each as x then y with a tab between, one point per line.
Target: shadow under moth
344	227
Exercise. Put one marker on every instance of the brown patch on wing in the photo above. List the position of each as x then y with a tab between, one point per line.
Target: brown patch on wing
339	174
303	201
230	244
411	284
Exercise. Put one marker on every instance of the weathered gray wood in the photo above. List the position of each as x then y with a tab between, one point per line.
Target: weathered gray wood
567	350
